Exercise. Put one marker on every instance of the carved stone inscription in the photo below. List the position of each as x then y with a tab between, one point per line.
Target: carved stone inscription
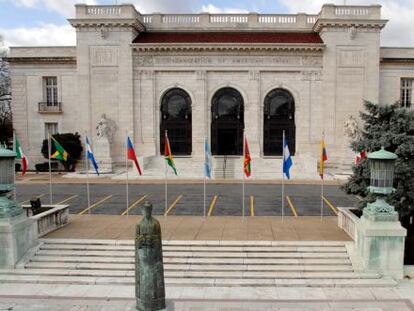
104	56
351	58
176	61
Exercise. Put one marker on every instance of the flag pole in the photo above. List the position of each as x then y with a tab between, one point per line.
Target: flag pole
166	176
205	171
50	168
283	177
127	177
322	171
14	168
88	193
243	187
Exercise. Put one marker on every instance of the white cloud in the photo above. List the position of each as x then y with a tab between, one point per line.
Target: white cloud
210	8
63	7
399	31
47	34
164	6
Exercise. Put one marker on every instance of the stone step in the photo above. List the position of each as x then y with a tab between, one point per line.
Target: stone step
275	255
192	273
171	281
246	249
108	256
73	263
197	242
130	273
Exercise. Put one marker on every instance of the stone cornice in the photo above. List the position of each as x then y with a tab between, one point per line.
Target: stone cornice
97	23
343	23
211	47
42	60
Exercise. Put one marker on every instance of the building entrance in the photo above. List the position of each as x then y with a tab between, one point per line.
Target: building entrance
227	122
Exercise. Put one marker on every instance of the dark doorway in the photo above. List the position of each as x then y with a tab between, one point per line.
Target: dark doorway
227	122
176	119
279	116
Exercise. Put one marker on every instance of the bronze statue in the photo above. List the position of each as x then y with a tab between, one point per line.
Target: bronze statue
149	270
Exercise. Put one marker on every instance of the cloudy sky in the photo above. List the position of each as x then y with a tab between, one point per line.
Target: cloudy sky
43	22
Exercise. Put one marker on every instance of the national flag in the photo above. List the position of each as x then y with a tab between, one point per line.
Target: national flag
60	153
91	156
323	158
207	162
247	160
287	160
132	156
362	155
20	155
168	155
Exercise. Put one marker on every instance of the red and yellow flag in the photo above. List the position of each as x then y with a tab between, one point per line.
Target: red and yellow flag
247	160
168	155
323	158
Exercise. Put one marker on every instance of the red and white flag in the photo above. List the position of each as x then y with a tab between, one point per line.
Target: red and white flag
20	155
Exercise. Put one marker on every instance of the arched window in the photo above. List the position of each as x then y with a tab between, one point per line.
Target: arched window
279	116
227	124
176	119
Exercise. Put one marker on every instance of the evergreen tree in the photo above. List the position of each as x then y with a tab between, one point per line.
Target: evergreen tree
392	127
71	143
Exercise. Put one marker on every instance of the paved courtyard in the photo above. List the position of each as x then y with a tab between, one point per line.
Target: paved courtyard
187	199
211	228
120	298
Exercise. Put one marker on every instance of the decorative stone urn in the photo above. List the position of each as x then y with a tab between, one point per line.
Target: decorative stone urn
380	238
16	230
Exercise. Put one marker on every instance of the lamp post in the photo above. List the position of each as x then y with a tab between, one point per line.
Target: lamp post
382	167
380	236
17	234
8	207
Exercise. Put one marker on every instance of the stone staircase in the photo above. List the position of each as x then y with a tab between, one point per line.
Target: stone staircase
195	263
225	167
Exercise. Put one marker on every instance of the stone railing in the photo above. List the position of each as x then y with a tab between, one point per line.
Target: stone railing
206	21
347	221
366	12
50	220
126	11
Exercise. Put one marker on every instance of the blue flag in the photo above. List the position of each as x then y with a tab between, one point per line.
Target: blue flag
207	162
287	160
91	156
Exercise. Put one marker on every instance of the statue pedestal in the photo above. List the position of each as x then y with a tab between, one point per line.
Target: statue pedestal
17	236
102	151
380	244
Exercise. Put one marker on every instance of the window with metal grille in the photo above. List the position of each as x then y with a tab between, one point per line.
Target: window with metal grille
406	92
50	128
51	91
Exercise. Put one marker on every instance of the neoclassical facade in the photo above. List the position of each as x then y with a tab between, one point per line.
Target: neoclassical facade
213	77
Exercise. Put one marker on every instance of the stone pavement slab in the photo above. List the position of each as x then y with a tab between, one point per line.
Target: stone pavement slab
209	228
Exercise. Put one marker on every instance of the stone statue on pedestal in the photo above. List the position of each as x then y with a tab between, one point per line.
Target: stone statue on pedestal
105	131
149	270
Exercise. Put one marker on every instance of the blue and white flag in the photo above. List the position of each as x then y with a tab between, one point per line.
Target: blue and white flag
91	156
287	160
207	162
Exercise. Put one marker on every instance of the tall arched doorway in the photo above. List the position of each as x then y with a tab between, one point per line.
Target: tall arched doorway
279	116
227	122
176	119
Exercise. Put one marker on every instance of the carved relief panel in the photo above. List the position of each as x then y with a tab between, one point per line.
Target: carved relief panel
104	56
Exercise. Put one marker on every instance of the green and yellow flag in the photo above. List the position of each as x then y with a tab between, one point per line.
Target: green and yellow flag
60	153
168	154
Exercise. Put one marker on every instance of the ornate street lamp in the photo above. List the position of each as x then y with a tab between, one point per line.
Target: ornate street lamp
382	167
8	208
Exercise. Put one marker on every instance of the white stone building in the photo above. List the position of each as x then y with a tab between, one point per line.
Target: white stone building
211	76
